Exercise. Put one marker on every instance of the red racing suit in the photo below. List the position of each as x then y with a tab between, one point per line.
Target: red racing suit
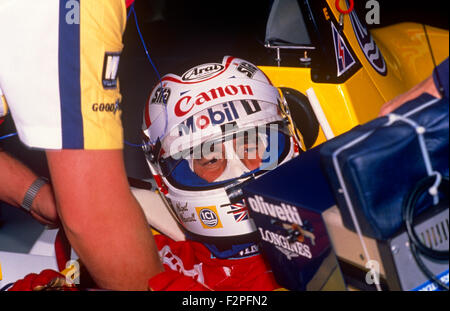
190	266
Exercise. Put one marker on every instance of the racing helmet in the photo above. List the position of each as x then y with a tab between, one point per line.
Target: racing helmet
206	133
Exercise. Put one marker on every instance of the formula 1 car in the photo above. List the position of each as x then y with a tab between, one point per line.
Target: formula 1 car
352	70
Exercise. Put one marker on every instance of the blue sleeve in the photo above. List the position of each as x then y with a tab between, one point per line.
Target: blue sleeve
440	73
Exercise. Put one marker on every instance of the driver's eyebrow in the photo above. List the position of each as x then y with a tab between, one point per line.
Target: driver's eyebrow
216	150
205	160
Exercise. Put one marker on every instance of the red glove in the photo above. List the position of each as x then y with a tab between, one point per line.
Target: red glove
46	280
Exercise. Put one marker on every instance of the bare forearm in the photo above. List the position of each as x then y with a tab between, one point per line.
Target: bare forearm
103	221
119	250
426	86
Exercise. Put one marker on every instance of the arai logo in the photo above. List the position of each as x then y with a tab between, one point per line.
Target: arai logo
202	72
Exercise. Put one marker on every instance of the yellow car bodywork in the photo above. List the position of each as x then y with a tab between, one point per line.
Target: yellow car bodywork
359	99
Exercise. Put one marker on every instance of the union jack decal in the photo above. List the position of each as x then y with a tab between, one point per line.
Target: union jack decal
239	211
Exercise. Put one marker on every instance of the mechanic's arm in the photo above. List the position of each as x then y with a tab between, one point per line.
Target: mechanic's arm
103	221
15	179
429	85
426	86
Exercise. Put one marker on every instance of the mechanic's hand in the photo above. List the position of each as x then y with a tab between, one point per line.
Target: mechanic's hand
426	86
43	208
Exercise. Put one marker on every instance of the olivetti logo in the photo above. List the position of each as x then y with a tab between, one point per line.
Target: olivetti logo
283	212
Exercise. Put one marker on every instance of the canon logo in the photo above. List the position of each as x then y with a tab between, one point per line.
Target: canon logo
186	103
202	72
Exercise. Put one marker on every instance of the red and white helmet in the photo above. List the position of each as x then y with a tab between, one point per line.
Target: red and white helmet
208	131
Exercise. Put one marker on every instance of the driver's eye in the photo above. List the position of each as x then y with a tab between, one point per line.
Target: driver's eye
249	149
210	162
211	157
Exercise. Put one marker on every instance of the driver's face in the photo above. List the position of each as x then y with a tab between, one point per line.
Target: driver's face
213	163
249	151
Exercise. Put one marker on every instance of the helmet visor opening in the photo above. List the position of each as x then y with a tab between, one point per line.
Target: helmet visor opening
219	161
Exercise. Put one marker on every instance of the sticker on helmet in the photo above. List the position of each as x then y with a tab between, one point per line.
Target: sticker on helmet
185	104
209	217
239	211
248	69
202	72
161	96
227	113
